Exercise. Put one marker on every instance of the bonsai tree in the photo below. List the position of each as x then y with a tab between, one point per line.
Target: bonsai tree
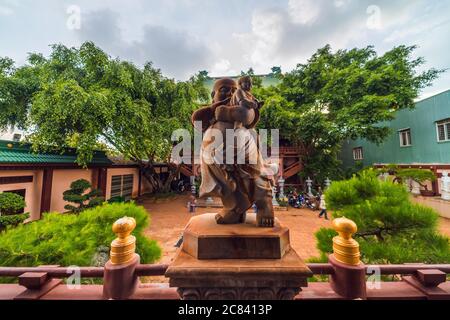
83	199
391	229
11	203
418	175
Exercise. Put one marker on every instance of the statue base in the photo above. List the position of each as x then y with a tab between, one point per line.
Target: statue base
236	264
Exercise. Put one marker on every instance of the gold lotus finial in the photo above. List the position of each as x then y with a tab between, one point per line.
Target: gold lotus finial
124	246
345	248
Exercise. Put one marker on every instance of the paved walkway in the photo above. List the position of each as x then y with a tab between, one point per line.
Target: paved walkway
170	215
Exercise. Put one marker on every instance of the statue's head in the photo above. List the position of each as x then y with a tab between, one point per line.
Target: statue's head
223	89
245	83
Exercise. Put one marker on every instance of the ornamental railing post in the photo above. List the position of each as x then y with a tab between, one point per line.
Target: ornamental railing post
120	280
349	278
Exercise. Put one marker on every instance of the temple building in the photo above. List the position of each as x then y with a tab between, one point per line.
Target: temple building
41	178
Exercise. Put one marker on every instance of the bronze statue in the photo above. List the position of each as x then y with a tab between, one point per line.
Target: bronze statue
244	98
238	185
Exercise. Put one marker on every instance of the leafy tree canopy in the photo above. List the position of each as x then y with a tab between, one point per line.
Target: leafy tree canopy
81	97
340	95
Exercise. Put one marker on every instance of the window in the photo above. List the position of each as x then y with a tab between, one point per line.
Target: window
122	186
405	137
443	130
22	193
16	137
358	153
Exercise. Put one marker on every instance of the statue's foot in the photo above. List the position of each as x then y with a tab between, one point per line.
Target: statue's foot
229	217
243	217
265	219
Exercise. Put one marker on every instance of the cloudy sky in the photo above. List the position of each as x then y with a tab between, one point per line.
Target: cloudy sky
184	36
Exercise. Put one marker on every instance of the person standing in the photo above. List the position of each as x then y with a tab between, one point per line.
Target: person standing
323	207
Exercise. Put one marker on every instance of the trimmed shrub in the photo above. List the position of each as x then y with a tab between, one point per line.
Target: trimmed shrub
12	220
11	203
74	239
391	229
83	200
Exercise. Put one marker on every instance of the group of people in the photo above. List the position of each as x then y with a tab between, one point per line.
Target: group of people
314	202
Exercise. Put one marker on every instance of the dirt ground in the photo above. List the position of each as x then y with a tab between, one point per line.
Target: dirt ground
170	215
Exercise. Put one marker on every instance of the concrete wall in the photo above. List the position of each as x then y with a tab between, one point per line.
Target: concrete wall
61	182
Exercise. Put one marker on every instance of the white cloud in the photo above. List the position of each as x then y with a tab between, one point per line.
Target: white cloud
178	53
5	11
304	11
184	36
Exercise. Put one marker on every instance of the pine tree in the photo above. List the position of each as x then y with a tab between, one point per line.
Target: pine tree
83	199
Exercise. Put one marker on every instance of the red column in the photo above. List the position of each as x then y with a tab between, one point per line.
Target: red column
139	182
102	180
46	196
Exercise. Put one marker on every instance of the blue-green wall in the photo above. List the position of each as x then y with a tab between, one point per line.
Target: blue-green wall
424	149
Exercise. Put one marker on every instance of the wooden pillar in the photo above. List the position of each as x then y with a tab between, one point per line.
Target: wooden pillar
102	180
139	182
46	195
434	184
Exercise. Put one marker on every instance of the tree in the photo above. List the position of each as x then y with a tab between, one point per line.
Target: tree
276	71
80	97
403	174
390	228
83	195
348	94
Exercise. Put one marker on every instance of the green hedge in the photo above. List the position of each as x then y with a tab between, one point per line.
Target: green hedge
11	203
65	239
12	220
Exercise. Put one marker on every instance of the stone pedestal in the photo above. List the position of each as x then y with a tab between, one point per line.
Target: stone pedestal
236	262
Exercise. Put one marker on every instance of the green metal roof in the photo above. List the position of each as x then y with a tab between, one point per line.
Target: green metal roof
20	153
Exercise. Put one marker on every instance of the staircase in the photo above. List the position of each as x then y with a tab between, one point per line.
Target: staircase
291	170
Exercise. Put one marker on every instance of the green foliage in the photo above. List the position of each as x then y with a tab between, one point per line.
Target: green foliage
256	81
73	239
391	229
78	194
341	95
12	220
116	199
79	96
419	175
11	203
403	174
324	239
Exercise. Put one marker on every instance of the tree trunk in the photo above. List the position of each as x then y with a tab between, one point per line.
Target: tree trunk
149	173
174	171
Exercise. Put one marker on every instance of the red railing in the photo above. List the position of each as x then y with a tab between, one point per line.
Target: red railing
148	270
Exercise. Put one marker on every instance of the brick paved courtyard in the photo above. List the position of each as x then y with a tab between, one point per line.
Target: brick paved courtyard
170	215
